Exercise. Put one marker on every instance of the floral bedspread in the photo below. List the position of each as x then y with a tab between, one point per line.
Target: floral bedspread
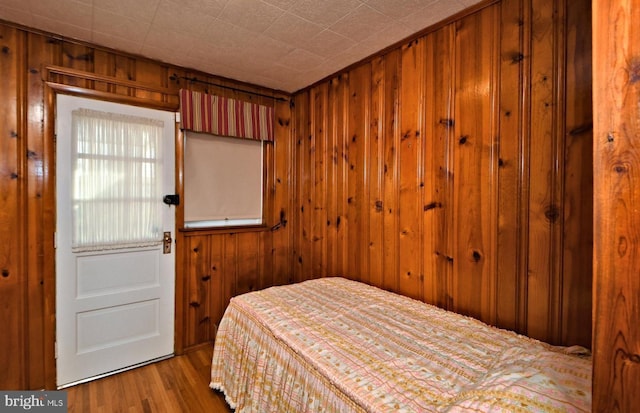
335	345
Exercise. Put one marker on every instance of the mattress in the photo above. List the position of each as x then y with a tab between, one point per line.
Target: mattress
336	345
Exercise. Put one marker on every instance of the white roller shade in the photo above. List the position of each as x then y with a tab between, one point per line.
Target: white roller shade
222	181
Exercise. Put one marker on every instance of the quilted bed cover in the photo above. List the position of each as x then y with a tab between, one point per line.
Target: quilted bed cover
335	345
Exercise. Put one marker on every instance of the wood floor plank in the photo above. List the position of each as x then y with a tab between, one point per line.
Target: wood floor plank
179	384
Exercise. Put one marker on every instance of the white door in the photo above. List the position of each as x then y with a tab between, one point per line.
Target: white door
114	283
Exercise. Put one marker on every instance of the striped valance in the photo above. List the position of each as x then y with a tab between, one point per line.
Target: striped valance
200	112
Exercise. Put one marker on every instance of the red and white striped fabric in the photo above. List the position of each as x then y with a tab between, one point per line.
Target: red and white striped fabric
200	112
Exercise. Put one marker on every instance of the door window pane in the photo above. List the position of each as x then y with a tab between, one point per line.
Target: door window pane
117	180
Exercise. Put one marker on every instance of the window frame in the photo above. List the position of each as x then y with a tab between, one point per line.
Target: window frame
267	165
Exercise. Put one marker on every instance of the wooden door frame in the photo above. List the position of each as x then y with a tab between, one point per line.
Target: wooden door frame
51	90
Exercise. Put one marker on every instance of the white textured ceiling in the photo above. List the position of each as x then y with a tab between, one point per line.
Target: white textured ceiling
280	44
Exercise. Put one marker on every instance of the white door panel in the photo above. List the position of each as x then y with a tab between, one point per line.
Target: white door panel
117	272
114	308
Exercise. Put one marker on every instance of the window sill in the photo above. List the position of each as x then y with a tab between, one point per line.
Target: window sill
224	230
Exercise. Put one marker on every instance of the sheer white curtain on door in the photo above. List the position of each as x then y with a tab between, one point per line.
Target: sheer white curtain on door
117	181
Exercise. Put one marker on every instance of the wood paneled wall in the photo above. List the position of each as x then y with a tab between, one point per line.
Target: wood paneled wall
215	265
456	169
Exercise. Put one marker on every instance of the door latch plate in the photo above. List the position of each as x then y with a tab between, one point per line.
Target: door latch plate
166	241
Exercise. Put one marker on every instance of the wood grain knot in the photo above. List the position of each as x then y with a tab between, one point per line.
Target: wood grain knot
552	213
623	246
5	50
432	205
517	58
620	169
634	358
205	278
476	256
634	71
463	140
379	206
5	273
194	304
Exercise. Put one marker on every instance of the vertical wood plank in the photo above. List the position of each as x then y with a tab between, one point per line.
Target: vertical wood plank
375	177
39	53
302	187
475	166
229	266
332	159
269	215
578	176
393	64
12	182
150	72
341	123
248	257
80	57
198	289
218	300
282	199
104	64
359	83
616	93
124	69
439	124
411	185
318	155
512	225
544	209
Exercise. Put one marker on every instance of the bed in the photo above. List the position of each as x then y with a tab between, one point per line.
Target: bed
336	345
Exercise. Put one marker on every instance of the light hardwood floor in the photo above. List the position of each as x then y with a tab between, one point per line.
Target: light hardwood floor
179	384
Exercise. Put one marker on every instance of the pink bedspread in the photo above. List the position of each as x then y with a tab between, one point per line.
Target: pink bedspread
334	345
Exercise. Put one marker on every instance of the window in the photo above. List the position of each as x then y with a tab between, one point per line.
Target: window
223	159
116	180
222	181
